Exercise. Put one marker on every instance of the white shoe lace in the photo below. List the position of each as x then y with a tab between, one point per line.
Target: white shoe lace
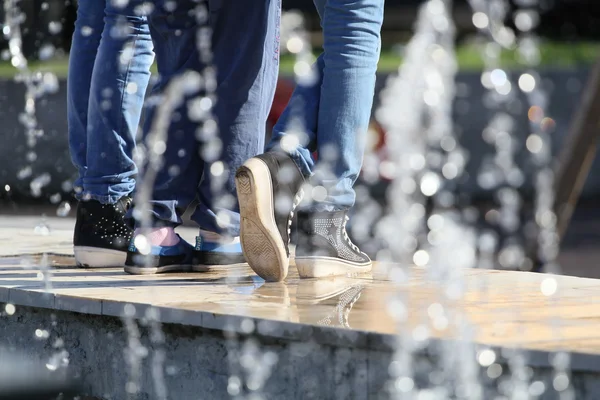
297	199
346	238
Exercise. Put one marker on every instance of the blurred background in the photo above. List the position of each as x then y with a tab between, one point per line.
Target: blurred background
569	31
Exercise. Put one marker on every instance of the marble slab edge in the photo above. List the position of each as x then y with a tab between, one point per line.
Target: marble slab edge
241	325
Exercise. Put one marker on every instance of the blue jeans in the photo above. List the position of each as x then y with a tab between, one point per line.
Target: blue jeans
245	53
109	70
337	109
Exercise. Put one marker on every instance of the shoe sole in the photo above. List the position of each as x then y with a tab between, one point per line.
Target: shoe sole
211	267
96	257
261	241
319	267
156	270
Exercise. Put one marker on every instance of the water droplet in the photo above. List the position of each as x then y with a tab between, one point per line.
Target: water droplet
46	52
498	77
290	142
421	258
64	209
527	83
54	27
217	168
233	386
494	371
319	193
247	326
486	357
131	88
526	20
295	45
42	229
435	222
41	334
142	244
129	310
450	171
548	286
86	30
174	170
430	183
534	143
159	147
66	186
131	387
302	69
24	173
9	309
537	388
404	384
560	382
38	183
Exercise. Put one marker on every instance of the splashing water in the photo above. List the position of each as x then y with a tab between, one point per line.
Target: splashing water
427	161
37	85
416	112
295	41
150	154
250	366
539	144
500	172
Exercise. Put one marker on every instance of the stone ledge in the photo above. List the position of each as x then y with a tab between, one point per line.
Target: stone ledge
236	302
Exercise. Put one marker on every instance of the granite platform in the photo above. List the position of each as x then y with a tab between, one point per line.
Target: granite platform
227	333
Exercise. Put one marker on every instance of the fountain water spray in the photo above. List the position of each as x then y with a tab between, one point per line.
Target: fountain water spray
500	172
37	85
250	366
539	144
416	112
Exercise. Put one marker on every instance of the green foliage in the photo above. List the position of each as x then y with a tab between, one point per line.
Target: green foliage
552	54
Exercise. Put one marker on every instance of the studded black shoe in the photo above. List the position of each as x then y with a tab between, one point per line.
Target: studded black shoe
269	189
101	235
324	248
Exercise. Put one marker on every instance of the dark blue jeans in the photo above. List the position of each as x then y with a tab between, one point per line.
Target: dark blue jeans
245	53
109	70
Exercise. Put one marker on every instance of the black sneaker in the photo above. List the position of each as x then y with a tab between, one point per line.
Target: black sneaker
159	259
269	189
101	234
324	248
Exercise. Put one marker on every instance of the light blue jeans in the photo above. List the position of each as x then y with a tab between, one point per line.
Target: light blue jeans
337	109
109	70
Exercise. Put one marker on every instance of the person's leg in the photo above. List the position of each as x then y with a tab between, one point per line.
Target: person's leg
304	105
173	32
245	54
120	77
247	62
336	112
86	40
104	111
170	134
269	185
351	31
